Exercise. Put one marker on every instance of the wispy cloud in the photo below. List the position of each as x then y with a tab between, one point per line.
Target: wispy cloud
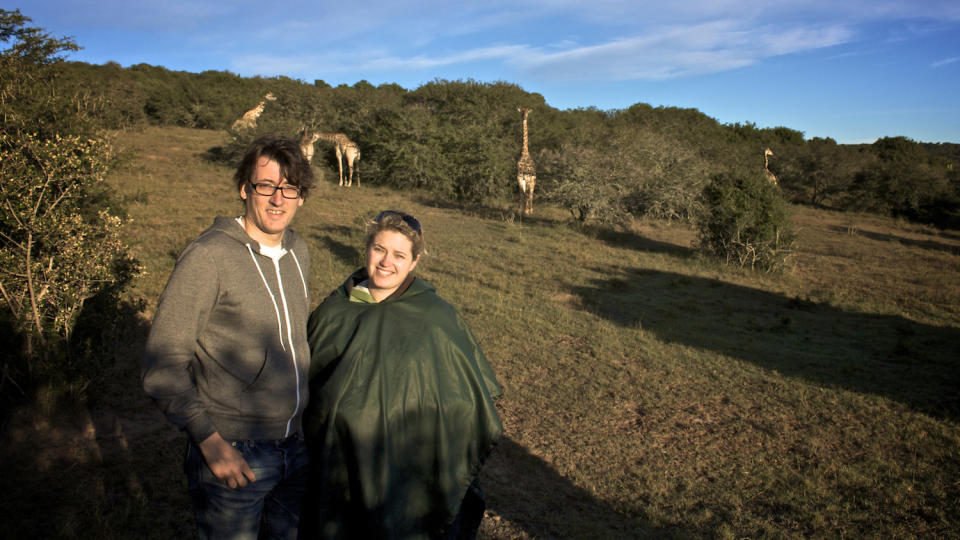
427	62
657	55
945	61
367	61
680	51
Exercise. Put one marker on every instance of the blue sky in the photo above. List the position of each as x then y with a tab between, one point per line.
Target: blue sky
852	70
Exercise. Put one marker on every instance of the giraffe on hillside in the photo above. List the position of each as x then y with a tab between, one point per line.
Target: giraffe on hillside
526	171
249	118
766	167
344	148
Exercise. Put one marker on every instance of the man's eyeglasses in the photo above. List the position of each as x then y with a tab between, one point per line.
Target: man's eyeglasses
267	190
407	218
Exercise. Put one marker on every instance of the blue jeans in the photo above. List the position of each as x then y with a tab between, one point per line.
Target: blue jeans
267	509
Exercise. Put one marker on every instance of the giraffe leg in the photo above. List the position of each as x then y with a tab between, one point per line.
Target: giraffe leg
340	165
352	153
523	190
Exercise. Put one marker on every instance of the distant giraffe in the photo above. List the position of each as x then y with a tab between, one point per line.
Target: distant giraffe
526	170
249	118
766	167
344	148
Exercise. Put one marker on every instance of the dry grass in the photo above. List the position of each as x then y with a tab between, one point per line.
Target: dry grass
649	393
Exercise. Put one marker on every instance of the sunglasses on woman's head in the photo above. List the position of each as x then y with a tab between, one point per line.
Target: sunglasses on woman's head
407	218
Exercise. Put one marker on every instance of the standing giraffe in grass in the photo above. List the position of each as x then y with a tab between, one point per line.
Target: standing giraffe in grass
766	167
344	148
526	171
306	145
249	118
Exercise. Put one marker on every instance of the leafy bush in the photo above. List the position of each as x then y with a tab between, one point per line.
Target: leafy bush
905	181
746	221
60	241
581	183
631	173
55	256
664	198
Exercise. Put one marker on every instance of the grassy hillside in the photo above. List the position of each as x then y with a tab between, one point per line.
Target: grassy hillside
648	392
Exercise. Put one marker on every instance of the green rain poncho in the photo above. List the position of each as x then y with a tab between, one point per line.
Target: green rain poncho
401	415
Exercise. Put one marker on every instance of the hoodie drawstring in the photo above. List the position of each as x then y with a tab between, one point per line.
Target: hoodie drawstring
302	280
273	299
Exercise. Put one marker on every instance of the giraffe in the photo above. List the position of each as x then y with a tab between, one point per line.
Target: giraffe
306	145
526	171
249	118
766	167
344	148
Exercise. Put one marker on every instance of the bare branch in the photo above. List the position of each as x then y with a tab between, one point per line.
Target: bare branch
33	299
13	212
14	306
11	240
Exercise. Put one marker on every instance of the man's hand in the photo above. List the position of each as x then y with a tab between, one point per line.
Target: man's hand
226	462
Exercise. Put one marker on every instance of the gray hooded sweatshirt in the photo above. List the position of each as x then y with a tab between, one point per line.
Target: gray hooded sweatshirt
228	350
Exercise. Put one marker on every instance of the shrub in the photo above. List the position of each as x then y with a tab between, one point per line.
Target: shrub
664	198
60	244
744	220
580	179
57	252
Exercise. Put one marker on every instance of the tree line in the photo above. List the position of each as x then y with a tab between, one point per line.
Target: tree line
461	139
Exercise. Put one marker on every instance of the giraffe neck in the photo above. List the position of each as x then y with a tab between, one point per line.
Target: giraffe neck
523	150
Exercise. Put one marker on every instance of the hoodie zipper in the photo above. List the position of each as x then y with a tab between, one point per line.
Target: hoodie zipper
286	319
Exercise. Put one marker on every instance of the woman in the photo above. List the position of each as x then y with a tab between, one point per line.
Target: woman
401	412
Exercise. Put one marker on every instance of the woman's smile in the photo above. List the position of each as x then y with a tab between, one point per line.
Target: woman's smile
389	262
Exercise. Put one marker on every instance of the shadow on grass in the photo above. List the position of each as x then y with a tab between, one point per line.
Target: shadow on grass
890	356
635	241
924	244
953	235
480	210
347	254
114	471
12	368
109	467
527	492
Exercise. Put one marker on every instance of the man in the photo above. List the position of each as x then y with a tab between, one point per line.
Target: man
227	358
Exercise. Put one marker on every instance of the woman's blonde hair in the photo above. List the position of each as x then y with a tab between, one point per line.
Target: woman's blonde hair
401	222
